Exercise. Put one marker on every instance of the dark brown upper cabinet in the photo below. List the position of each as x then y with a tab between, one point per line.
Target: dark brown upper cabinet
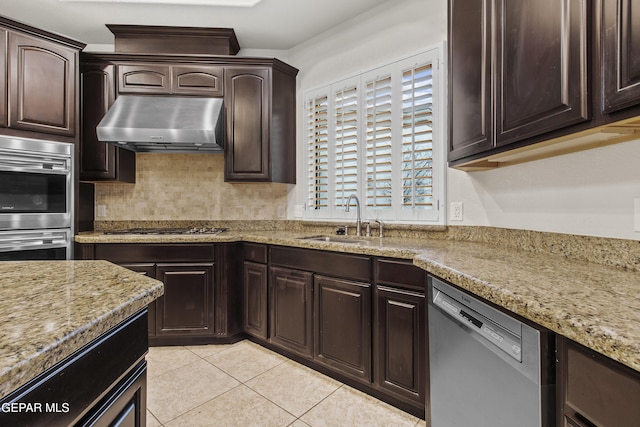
470	100
620	54
532	79
196	80
258	148
100	161
540	77
144	78
165	79
518	69
39	75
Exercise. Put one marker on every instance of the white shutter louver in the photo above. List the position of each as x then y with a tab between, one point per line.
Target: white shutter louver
318	152
379	143
346	144
417	137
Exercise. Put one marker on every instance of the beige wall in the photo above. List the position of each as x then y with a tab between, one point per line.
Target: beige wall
188	187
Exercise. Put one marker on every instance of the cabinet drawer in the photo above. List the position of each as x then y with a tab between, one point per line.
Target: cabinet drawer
599	390
255	253
330	263
122	253
400	273
144	78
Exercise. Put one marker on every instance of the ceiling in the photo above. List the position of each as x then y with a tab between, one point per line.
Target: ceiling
270	24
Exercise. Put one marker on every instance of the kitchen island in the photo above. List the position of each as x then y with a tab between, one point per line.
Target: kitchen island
70	330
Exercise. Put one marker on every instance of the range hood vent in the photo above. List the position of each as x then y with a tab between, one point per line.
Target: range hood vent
166	124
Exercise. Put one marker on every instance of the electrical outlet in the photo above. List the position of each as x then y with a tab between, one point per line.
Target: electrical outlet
281	211
456	211
101	211
298	211
636	214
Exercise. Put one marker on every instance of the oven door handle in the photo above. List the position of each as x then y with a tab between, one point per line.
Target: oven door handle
26	240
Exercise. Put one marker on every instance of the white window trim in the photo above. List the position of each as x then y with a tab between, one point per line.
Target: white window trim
432	216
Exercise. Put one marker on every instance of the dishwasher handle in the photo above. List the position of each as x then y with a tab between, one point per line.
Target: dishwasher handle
479	325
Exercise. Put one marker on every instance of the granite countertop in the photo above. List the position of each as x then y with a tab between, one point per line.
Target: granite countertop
595	305
49	309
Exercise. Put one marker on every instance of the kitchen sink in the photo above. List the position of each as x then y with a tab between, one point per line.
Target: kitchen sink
337	239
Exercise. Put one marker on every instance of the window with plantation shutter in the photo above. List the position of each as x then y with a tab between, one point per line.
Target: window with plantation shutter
417	137
379	143
318	152
378	135
345	144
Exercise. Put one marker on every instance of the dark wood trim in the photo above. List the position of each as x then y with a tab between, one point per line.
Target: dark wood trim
38	32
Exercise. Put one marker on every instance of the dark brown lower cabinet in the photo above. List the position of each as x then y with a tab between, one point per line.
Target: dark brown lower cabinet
594	390
187	306
342	339
255	299
291	313
400	345
201	303
103	383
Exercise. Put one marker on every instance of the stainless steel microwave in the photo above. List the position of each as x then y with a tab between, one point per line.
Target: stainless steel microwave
36	184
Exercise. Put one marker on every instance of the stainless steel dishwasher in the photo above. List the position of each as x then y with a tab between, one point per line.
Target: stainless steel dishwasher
486	367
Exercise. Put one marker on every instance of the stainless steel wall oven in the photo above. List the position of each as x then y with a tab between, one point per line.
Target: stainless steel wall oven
36	199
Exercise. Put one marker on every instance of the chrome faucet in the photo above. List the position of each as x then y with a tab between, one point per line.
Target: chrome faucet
358	222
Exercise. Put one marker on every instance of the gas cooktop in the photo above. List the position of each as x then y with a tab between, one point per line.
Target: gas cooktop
194	230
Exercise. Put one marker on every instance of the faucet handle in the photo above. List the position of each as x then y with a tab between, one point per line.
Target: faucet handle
381	227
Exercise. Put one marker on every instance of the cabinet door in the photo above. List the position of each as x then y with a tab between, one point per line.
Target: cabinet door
255	299
291	310
541	67
144	78
100	161
620	54
42	85
196	80
470	113
342	338
247	95
149	270
187	306
400	343
4	119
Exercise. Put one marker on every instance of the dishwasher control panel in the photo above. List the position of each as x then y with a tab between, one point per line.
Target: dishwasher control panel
486	327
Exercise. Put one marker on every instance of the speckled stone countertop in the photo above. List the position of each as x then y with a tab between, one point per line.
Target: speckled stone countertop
49	309
595	305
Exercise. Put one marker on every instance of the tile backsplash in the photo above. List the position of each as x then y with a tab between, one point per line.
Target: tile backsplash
188	187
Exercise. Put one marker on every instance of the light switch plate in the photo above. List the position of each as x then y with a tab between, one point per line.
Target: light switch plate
636	215
298	210
455	213
101	211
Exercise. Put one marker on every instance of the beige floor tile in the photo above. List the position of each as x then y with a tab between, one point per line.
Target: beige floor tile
294	387
241	407
421	423
350	407
160	360
180	390
208	350
152	421
246	360
298	423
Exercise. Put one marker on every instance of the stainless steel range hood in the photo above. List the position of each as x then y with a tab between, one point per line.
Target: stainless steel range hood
164	124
